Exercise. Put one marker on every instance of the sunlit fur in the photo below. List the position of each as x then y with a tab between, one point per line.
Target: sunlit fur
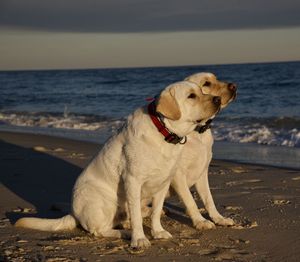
192	166
216	87
135	164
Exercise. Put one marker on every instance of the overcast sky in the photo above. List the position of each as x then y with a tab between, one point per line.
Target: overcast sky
37	34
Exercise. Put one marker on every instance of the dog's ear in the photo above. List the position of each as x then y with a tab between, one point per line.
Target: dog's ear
168	106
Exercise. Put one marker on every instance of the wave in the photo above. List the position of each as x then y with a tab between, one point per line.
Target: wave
284	131
58	120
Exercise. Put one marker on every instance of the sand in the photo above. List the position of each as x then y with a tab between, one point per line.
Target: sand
38	172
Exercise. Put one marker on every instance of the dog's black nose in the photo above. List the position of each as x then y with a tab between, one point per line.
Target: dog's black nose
232	86
217	100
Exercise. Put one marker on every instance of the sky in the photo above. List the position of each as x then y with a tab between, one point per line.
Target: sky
55	34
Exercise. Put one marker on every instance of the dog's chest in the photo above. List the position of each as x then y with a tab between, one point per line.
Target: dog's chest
158	173
195	157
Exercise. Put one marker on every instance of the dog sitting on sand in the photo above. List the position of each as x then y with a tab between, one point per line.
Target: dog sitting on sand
135	164
192	166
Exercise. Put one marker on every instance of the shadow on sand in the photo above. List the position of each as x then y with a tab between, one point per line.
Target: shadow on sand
45	182
37	178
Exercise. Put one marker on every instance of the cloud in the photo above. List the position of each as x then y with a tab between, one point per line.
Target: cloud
148	15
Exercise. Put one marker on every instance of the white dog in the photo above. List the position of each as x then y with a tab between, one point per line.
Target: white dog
192	167
135	164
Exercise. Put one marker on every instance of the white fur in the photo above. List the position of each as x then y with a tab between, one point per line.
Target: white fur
133	165
192	166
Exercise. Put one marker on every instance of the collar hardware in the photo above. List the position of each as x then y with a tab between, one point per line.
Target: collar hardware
170	137
202	129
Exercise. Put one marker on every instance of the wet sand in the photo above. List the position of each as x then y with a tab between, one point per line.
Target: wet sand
37	174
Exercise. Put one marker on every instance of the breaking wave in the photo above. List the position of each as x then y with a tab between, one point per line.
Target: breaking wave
265	131
58	120
283	131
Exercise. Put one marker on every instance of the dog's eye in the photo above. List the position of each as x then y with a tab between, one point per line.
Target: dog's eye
192	95
207	83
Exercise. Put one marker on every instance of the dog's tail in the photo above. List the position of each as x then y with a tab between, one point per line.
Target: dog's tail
67	222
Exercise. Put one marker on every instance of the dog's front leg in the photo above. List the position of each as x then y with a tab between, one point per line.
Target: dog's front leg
179	184
158	231
203	190
133	195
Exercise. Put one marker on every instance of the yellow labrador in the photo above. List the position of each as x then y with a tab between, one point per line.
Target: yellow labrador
192	167
135	164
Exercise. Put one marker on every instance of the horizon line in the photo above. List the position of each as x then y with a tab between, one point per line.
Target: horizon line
146	67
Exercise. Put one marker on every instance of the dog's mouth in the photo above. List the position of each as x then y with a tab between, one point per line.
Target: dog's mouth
217	112
232	98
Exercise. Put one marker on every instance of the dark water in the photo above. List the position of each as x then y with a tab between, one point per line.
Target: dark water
87	102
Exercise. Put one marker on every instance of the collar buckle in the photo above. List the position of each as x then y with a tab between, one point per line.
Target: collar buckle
173	139
169	136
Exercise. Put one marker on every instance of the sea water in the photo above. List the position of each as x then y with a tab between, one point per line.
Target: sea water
261	126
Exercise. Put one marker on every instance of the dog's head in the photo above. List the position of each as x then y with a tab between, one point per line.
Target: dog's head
185	101
209	84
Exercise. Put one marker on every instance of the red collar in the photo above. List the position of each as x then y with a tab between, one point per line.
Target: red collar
169	136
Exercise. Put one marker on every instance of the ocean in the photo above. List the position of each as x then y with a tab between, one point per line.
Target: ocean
261	126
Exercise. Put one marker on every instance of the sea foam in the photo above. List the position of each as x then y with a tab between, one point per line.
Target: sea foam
251	131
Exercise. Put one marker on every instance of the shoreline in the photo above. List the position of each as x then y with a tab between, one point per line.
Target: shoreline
242	153
39	171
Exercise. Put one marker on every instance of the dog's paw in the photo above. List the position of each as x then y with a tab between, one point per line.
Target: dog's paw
204	225
223	221
161	234
140	243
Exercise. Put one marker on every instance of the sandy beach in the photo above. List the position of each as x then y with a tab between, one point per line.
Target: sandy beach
37	175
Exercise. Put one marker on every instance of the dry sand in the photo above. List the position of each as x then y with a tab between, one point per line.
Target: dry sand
37	175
